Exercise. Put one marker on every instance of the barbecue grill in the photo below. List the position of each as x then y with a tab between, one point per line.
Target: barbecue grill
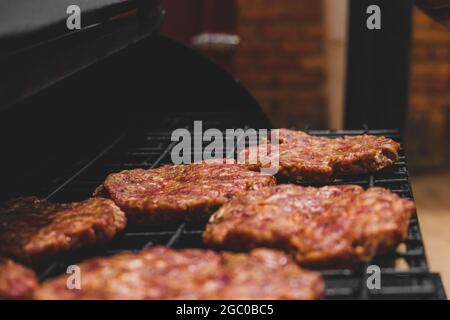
66	131
404	272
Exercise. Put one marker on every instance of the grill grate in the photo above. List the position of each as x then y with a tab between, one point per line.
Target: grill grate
404	272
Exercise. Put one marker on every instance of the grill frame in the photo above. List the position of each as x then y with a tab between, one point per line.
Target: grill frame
149	148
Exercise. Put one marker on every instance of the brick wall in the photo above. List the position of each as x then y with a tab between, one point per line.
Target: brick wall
281	59
428	123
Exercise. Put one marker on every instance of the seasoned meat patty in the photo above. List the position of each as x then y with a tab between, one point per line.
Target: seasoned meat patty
327	227
32	230
164	273
16	281
176	193
302	156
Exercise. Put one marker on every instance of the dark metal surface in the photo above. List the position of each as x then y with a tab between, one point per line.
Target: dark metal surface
378	65
25	23
29	68
405	273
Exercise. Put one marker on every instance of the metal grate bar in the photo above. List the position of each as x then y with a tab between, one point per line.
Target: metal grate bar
176	236
73	177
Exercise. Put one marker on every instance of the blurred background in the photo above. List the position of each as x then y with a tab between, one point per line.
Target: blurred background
295	56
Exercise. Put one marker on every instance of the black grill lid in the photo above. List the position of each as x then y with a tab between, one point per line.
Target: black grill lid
37	50
29	22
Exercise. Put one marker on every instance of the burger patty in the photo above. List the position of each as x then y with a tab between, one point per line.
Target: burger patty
328	227
302	156
177	193
32	230
164	273
16	281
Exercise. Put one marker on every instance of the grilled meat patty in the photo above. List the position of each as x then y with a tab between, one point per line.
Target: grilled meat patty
177	193
164	273
16	281
327	227
32	230
306	157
